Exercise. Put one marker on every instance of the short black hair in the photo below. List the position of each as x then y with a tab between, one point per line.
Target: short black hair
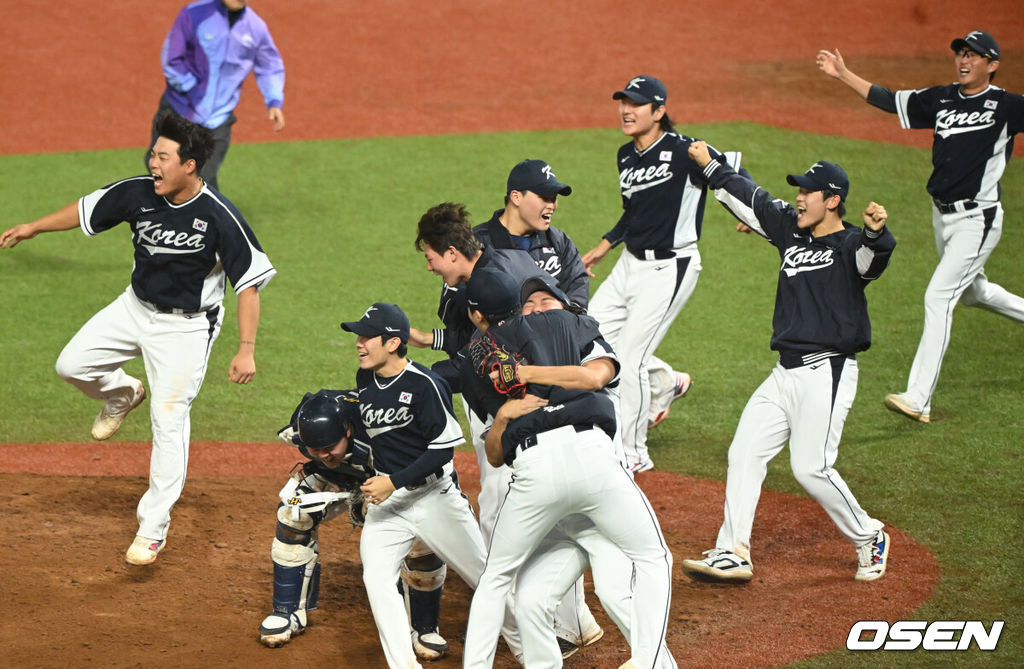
447	225
841	209
194	141
401	351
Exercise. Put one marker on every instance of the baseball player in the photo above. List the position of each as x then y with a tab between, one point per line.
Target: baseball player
559	443
187	238
406	412
820	324
575	544
446	239
973	124
325	428
454	253
531	201
663	195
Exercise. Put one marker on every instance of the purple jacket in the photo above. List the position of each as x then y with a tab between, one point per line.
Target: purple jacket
205	62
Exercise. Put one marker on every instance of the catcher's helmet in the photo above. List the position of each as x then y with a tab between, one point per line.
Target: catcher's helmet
324	419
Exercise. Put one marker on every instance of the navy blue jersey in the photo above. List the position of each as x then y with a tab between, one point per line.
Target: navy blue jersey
554	338
973	137
453	307
552	250
820	304
663	194
405	416
182	251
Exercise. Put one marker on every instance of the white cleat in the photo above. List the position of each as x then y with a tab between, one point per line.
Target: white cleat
109	420
144	550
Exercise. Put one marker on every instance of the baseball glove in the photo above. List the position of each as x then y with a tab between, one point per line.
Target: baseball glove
494	363
357	508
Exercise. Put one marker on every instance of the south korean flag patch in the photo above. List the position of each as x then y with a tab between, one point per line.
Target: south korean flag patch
991	104
665	156
405	397
199	225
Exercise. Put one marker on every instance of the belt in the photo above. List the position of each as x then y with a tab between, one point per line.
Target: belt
164	309
959	205
794	359
558	434
442	472
651	254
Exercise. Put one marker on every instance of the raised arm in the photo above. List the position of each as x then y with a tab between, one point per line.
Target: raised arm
62	219
831	63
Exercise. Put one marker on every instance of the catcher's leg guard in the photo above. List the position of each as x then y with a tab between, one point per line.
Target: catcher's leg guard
421	584
296	577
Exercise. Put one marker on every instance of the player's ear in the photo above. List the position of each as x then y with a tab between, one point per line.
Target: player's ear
993	65
658	112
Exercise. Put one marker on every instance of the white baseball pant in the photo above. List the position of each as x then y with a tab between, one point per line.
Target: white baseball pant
806	406
175	349
635	306
964	241
440	516
569	472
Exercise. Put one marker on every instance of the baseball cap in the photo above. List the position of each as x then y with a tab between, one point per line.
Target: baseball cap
536	176
822	175
380	319
543	282
643	90
980	41
492	291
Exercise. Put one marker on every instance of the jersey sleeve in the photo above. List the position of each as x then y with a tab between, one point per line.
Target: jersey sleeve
752	205
244	261
435	416
874	251
1013	108
915	108
576	282
108	206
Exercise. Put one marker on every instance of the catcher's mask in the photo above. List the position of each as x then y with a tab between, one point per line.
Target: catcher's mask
324	420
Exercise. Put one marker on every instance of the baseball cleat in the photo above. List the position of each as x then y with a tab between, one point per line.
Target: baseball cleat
592	637
429	646
109	420
873	558
144	550
719	565
682	386
641	467
897	402
279	627
567	647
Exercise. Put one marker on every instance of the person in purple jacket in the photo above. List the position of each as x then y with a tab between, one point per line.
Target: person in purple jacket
210	50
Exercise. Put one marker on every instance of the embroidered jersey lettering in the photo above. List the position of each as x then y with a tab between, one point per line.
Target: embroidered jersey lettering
796	259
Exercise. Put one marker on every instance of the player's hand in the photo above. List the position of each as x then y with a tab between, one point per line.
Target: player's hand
875	216
744	228
699	153
421	339
243	367
10	238
513	409
377	489
831	63
595	255
277	116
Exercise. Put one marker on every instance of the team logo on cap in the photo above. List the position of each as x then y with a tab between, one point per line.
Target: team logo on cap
635	82
547	172
367	314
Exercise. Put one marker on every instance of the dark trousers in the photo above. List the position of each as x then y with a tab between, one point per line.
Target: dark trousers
221	142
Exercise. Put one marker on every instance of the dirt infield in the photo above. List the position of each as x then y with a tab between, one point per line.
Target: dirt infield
203	600
77	79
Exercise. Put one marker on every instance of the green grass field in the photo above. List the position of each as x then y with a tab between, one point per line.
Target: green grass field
338	219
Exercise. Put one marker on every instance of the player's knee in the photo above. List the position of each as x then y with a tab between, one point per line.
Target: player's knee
292	555
291	518
66	367
424	580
